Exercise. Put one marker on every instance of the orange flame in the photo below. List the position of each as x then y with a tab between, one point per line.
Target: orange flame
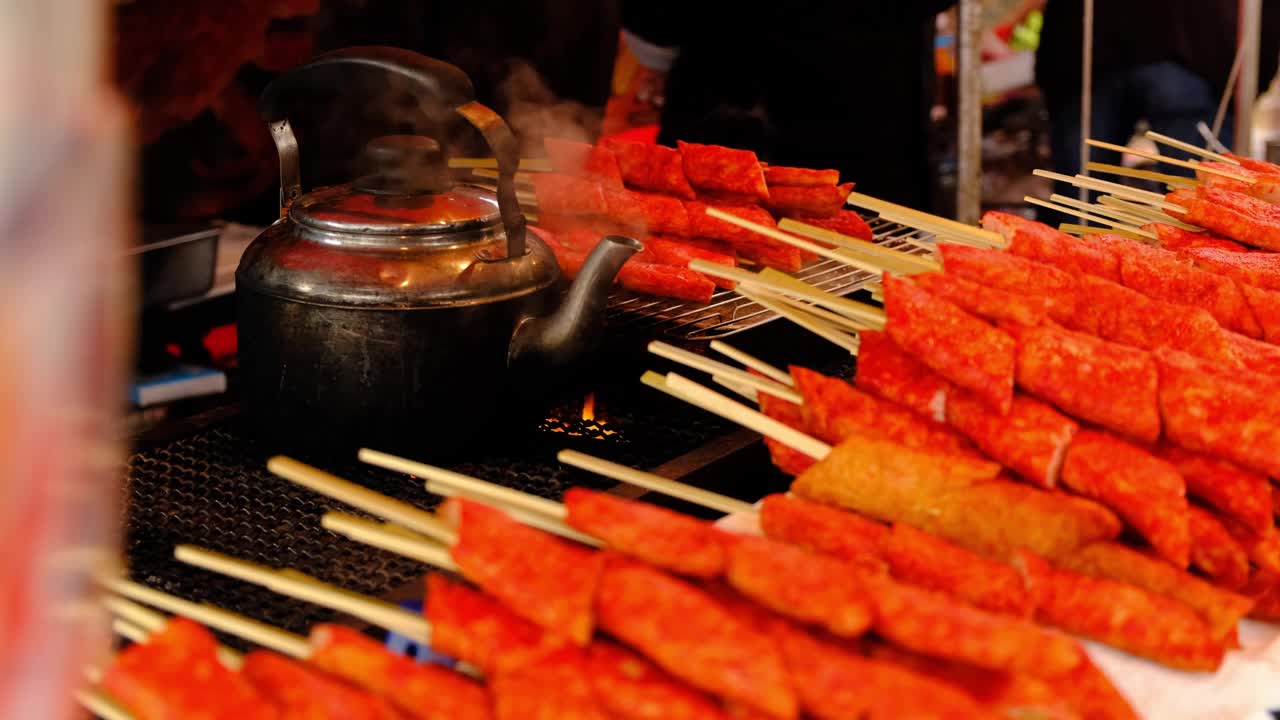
589	407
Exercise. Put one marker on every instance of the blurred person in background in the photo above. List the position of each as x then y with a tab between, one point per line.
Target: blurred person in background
1163	61
825	85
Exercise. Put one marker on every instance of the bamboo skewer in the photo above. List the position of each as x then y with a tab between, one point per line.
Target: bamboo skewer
749	394
809	322
854	310
895	261
657	381
520	177
925	221
655	483
789	239
1191	165
102	706
1173	181
753	362
526	164
388	537
707	365
1087	215
256	632
1188	147
839	321
718	404
1121	191
310	590
1082	230
1150	213
334	487
492	494
129	631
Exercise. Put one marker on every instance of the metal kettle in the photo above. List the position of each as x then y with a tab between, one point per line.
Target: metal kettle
401	308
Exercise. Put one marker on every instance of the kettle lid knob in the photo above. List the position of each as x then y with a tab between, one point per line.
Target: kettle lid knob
404	165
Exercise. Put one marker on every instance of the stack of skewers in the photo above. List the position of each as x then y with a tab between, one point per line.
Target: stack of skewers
661	195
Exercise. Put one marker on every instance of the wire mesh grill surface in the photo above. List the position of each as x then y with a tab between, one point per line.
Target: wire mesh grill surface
729	313
212	489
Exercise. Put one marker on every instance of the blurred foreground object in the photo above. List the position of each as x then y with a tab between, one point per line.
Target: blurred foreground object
65	154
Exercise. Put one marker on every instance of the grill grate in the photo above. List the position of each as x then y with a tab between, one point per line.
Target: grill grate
211	489
729	313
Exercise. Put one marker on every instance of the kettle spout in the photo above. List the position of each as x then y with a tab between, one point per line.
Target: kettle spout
577	325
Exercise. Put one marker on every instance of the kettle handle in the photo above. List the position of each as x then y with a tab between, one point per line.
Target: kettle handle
386	86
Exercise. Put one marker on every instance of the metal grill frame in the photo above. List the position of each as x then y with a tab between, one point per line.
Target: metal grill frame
729	313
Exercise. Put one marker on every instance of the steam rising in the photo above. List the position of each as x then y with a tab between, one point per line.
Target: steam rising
535	112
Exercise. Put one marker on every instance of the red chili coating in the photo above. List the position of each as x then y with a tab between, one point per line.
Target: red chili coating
987	303
583	159
301	692
783	175
802	585
1259	269
953	343
846	222
932	624
823	529
1143	489
725	198
1230	214
661	537
815	201
1176	239
1037	241
421	691
678	252
722	169
1167	276
1215	552
176	674
571	251
470	626
927	561
1069	369
542	578
885	370
647	212
1264	589
834	410
554	688
1005	271
1263	548
1265	305
1031	440
1256	355
693	637
568	195
1242	495
651	167
1136	621
1221	609
632	688
1216	415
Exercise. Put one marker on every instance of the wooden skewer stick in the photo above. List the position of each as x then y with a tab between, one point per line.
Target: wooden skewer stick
129	631
1188	147
749	394
652	482
135	614
310	590
496	494
714	402
657	381
792	240
809	322
1082	230
1173	181
857	311
356	496
925	221
1190	165
256	632
484	492
1114	211
1146	211
892	260
1095	213
1122	191
102	706
1087	216
526	164
830	317
707	365
753	362
389	537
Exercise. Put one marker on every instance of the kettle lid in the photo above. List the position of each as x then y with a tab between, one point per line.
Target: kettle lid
407	192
